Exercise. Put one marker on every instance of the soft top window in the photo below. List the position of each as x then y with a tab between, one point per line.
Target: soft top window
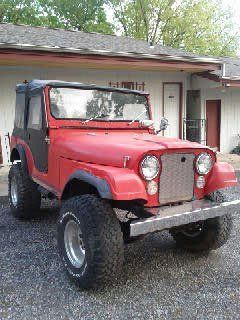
73	103
19	110
35	113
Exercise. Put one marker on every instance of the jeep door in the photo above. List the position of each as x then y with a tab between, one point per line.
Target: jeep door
36	130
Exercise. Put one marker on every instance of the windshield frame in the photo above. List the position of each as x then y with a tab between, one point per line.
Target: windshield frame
92	87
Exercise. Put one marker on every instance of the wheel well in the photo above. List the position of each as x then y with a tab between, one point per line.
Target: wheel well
78	187
15	155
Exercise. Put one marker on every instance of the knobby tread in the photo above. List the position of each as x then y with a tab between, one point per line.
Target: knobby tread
215	232
102	233
29	198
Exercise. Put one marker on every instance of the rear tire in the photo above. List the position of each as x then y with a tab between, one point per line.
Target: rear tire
90	240
207	235
24	197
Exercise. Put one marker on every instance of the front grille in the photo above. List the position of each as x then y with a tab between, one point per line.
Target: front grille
177	178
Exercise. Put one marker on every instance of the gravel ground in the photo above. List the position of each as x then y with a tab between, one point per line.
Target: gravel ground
159	281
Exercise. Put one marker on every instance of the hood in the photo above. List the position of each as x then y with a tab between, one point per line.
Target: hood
109	148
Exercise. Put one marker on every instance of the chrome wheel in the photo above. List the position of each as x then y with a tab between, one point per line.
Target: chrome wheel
14	192
74	245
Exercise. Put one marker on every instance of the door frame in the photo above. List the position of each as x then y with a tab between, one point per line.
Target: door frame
180	84
1	154
220	117
44	128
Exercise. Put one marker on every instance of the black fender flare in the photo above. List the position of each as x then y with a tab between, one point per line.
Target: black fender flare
101	185
23	157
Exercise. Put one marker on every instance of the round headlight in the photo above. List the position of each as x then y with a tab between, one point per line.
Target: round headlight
204	163
150	167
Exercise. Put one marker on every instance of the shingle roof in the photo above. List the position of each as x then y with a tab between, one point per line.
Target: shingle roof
36	37
40	36
232	67
47	37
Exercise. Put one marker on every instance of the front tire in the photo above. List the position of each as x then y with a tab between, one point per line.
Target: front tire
90	240
207	235
24	197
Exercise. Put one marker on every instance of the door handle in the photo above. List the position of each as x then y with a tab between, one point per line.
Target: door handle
47	140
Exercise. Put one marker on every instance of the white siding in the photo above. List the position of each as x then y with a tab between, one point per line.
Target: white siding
10	76
230	109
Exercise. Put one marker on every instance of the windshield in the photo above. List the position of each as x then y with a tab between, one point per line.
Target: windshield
70	103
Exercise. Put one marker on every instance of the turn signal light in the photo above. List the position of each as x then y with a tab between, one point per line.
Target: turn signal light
152	188
200	182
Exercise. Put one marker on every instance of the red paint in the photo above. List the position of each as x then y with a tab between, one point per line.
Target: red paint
213	115
99	148
222	176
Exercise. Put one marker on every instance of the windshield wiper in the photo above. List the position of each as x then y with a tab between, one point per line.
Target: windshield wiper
98	116
139	116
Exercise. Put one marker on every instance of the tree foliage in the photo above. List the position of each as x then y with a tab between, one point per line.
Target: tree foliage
85	15
22	12
199	26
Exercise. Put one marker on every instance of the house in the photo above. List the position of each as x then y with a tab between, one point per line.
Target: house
217	102
185	88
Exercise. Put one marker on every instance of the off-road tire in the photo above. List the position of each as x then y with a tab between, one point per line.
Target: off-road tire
28	197
214	233
102	238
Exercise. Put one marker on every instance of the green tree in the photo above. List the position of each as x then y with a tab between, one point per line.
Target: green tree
198	26
22	12
85	15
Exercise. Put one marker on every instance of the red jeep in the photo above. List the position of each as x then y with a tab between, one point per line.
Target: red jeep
96	151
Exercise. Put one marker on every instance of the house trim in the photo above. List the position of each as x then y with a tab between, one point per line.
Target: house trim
225	81
139	61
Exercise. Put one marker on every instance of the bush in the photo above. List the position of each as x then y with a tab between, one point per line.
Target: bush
236	150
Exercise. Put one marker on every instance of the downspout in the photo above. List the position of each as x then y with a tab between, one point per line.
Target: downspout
224	70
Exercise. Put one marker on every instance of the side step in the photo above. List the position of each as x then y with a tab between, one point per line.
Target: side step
175	216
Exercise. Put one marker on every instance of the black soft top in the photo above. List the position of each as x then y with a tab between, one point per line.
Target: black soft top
40	84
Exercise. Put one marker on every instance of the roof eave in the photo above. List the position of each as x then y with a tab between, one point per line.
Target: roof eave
225	81
189	59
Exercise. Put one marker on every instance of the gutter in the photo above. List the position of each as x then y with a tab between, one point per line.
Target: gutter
234	78
57	49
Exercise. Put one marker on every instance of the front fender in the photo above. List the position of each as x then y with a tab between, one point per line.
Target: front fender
125	184
22	154
111	182
222	176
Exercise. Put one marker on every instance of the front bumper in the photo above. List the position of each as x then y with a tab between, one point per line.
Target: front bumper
178	215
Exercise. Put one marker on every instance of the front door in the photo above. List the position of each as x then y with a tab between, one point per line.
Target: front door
213	116
37	132
171	108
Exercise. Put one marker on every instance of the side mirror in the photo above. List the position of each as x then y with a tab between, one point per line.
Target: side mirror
163	124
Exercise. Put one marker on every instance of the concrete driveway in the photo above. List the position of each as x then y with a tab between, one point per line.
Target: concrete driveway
158	281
